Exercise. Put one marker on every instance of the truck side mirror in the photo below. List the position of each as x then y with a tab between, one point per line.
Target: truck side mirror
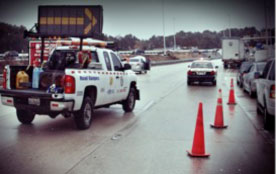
189	66
127	66
216	67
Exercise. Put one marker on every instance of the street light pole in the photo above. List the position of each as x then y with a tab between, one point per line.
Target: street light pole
164	38
174	41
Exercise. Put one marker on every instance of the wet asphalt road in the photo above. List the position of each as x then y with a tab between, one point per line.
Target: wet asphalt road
152	139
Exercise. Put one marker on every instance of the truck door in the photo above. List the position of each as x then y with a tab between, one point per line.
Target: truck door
120	79
109	86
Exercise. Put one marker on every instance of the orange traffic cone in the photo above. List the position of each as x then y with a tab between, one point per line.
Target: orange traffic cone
218	123
198	149
231	99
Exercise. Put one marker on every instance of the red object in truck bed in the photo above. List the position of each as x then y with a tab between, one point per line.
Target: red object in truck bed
35	51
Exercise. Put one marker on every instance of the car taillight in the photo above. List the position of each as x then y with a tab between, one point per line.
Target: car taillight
5	78
272	91
69	84
190	72
212	73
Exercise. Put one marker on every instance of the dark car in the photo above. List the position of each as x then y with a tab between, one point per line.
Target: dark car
243	69
202	71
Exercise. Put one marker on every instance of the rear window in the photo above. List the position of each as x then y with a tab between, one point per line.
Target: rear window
202	65
260	67
60	59
134	60
272	72
245	66
266	69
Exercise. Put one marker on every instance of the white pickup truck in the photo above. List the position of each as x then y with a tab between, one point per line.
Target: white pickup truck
73	83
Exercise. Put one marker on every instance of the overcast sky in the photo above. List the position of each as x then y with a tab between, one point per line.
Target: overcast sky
143	18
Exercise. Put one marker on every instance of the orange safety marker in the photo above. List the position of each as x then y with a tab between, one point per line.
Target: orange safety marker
198	149
218	123
231	99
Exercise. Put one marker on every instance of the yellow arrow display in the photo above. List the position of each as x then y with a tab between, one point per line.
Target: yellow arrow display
93	20
61	21
71	21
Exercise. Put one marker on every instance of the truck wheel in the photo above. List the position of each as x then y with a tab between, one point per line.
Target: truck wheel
25	116
129	103
189	82
83	118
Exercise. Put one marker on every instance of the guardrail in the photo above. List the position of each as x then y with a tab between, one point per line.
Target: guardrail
167	62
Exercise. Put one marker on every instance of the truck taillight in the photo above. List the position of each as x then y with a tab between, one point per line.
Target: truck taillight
5	78
190	72
272	91
69	84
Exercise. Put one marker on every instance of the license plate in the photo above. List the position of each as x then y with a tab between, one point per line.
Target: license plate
201	73
34	101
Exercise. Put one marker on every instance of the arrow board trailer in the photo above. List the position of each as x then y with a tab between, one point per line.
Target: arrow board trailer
232	52
63	22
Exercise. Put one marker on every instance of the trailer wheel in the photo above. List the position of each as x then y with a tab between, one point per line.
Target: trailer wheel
25	116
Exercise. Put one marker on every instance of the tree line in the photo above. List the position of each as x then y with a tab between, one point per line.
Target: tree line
11	38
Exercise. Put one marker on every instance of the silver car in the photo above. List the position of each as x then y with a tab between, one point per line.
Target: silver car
249	78
266	93
139	64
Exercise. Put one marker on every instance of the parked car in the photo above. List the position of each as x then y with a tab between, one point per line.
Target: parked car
249	78
139	64
244	67
266	93
202	71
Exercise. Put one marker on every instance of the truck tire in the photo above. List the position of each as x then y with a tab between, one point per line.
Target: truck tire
25	116
83	118
267	118
129	103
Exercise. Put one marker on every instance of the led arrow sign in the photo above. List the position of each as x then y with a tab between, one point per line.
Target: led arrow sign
70	21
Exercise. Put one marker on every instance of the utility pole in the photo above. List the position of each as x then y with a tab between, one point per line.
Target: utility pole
266	22
164	38
229	29
174	41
